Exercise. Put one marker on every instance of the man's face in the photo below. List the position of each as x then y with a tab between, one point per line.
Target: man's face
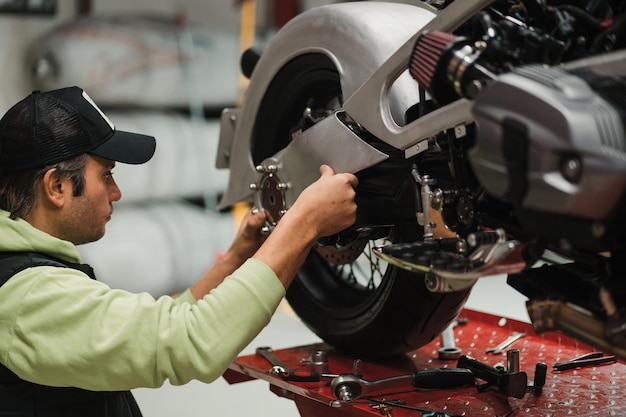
85	216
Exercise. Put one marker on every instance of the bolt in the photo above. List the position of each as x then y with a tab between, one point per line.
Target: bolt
344	393
356	367
598	229
460	130
572	169
437	197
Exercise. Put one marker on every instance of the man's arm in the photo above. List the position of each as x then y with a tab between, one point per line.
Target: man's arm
246	243
325	207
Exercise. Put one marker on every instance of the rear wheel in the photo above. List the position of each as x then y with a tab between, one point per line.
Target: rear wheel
345	294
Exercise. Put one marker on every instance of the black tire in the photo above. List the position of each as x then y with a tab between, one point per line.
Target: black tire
388	312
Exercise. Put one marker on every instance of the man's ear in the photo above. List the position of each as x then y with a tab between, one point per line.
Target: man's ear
54	188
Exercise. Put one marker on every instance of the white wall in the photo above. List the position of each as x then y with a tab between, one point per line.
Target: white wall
223	14
19	32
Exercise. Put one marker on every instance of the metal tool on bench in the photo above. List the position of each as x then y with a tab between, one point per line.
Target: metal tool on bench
318	361
589	359
288	374
497	350
513	384
540	378
348	387
448	349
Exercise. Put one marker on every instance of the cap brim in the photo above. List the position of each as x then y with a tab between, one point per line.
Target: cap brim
127	147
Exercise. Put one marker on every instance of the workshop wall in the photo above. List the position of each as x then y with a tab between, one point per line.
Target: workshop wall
18	33
157	67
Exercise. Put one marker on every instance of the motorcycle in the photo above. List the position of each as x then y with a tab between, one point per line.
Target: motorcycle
487	137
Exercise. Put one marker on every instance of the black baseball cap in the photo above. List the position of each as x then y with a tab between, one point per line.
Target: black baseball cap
49	127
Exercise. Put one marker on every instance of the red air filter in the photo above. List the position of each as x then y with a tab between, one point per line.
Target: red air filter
427	54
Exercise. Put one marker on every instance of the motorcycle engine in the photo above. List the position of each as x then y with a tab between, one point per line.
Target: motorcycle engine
552	143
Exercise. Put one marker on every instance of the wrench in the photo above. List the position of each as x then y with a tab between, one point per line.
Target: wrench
280	369
448	349
508	341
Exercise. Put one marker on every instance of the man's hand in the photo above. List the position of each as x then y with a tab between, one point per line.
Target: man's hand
327	206
324	208
248	238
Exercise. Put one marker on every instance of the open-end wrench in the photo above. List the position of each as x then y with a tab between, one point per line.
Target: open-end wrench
497	350
448	349
279	368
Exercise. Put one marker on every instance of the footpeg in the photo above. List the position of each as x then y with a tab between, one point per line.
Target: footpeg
444	254
450	259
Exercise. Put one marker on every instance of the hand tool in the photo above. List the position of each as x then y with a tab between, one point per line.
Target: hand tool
448	349
541	369
288	374
498	349
589	359
513	384
318	361
349	387
512	360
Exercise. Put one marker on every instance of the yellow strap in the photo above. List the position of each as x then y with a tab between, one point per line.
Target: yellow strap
246	40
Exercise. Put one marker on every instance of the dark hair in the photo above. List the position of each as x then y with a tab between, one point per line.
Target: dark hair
17	189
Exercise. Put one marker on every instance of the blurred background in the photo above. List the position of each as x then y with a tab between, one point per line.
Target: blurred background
167	68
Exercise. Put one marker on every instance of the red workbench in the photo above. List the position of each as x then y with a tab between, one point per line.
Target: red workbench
588	391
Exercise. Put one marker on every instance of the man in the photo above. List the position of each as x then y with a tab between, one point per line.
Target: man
70	345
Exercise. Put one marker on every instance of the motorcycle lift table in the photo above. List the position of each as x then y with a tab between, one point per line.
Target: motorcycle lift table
590	390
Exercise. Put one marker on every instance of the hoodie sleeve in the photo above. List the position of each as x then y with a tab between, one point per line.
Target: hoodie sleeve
60	328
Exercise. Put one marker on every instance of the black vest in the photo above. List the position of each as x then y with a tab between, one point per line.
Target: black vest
19	398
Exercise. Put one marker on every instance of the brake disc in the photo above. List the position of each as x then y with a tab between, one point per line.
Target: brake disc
344	254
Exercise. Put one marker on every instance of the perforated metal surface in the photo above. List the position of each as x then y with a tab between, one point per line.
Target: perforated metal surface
589	391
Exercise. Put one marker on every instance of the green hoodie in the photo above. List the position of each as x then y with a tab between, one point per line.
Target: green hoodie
58	327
